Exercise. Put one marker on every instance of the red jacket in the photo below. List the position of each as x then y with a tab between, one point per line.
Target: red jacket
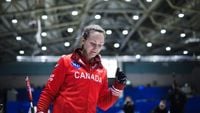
78	87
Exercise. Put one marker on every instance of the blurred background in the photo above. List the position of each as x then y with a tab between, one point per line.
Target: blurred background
155	42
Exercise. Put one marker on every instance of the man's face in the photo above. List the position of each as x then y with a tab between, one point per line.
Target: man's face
93	44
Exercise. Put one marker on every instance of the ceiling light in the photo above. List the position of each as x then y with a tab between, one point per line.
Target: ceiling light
185	52
135	17
182	35
14	21
97	17
44	48
163	31
74	13
67	44
70	30
128	0
125	32
21	52
44	34
8	0
181	15
18	38
44	17
116	45
108	32
149	44
19	58
149	1
137	56
168	48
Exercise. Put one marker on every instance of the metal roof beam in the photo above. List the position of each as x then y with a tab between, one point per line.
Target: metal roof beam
154	5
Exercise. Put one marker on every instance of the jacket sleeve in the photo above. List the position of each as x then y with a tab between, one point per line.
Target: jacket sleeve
108	96
52	86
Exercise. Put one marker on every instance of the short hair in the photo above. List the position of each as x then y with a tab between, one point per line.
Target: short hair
92	27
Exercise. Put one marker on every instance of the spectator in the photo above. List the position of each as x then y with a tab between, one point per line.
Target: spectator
177	99
1	108
161	108
128	105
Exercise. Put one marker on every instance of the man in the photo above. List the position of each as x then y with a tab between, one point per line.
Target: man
128	105
177	99
78	83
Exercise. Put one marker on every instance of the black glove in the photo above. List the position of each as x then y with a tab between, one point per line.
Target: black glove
121	77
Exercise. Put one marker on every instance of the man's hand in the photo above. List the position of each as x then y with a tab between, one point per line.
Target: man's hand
120	76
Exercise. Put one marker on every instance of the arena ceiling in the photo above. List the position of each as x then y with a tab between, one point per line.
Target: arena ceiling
42	27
